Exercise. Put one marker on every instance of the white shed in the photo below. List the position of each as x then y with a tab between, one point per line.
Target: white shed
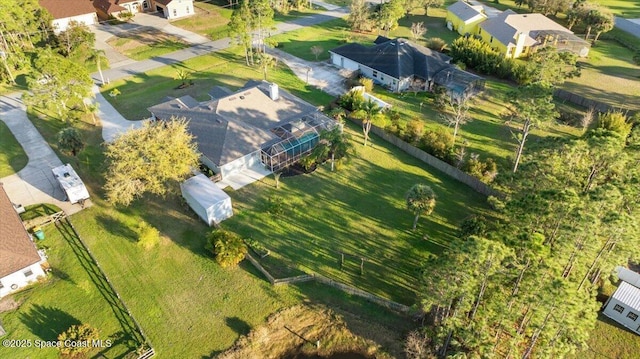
211	203
624	305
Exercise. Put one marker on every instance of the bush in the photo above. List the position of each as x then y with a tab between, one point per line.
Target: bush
77	333
396	128
438	143
473	226
414	131
148	236
481	57
351	100
616	122
436	43
366	83
495	203
275	206
485	171
227	247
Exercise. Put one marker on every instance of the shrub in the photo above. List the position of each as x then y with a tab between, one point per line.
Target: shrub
616	122
227	247
275	206
636	58
480	56
438	143
351	100
366	83
396	127
495	203
148	236
76	333
436	43
485	171
414	131
473	226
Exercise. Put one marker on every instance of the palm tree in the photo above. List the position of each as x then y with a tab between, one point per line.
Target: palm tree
420	200
368	111
336	144
99	56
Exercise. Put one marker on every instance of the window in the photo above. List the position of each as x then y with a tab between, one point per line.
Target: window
375	74
145	5
28	273
187	9
633	316
175	12
491	40
382	77
1	286
618	308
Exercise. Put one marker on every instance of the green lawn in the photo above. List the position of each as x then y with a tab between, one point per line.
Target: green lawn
624	8
609	75
12	156
142	45
611	340
69	296
210	20
360	211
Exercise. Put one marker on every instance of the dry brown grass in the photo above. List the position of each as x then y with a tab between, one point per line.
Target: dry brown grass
296	330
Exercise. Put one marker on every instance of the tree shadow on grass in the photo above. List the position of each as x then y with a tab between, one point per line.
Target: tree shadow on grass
47	322
238	325
117	228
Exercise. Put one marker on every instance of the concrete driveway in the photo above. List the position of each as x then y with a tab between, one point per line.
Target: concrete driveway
35	183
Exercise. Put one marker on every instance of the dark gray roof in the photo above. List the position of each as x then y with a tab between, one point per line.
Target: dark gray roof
397	58
238	124
463	11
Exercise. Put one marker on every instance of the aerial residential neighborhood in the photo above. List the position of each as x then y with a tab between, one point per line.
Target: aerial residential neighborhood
319	179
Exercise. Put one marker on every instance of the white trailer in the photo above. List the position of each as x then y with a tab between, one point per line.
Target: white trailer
211	203
71	184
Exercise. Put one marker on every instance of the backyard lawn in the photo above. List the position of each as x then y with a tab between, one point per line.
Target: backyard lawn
210	20
70	296
360	211
12	156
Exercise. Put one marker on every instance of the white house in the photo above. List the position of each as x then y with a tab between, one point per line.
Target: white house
624	305
210	203
173	9
259	126
66	11
19	259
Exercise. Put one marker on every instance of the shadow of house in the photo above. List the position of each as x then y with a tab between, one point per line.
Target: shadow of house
401	65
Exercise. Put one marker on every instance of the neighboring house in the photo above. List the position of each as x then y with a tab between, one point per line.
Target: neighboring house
66	11
19	259
401	65
624	304
464	18
513	34
258	126
171	9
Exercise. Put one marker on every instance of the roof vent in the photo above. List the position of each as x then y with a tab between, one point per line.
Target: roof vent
232	98
242	97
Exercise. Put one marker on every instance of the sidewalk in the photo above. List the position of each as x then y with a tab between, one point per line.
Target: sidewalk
35	183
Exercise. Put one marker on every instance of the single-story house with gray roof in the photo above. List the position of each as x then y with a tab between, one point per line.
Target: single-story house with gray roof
400	65
258	126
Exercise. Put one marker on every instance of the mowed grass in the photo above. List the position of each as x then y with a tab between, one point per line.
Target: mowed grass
624	8
610	340
69	296
142	45
224	68
359	210
12	156
609	75
209	20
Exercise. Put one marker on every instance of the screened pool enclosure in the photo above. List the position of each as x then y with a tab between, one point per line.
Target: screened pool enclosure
296	139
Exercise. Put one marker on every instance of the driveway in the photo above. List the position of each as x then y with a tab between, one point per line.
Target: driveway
35	183
318	74
113	123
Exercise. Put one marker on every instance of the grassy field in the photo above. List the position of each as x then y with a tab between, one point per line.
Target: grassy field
210	20
145	44
610	340
69	296
359	211
12	156
624	8
609	75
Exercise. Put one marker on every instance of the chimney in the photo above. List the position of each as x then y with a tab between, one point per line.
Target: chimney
273	92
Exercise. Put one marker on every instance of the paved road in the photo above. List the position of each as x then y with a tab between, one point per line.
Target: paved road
35	183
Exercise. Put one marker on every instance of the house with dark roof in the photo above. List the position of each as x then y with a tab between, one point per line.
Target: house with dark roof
259	126
66	11
399	65
19	259
464	18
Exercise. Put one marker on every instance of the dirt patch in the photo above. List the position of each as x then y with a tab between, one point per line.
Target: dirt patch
144	36
8	304
295	332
